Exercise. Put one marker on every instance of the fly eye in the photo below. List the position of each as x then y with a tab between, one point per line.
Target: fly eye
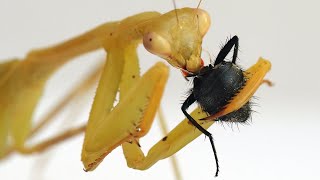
156	44
203	21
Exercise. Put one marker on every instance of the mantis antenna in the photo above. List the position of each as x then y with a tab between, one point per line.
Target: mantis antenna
175	10
199	4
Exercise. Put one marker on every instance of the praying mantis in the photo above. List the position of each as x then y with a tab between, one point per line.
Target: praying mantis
108	127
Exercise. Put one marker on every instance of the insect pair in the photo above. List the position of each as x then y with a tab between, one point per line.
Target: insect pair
222	90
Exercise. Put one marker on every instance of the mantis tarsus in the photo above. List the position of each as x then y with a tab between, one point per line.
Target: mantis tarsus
169	36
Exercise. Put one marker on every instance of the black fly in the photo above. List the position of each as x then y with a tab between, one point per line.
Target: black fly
215	86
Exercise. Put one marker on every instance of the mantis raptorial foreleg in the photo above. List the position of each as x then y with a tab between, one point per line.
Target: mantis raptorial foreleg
135	108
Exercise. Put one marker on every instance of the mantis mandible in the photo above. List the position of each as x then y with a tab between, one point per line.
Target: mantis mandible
175	36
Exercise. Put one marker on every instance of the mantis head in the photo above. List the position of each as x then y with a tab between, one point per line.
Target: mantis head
177	37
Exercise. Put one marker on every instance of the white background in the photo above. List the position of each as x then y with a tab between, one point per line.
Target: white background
282	142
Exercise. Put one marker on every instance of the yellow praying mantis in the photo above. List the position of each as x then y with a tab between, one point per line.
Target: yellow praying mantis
175	36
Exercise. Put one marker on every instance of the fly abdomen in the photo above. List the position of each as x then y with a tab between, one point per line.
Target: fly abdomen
216	87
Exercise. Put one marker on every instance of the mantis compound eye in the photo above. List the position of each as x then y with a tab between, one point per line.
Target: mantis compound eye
157	45
204	22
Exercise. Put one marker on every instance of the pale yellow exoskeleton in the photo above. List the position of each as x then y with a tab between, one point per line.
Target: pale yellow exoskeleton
23	80
175	36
